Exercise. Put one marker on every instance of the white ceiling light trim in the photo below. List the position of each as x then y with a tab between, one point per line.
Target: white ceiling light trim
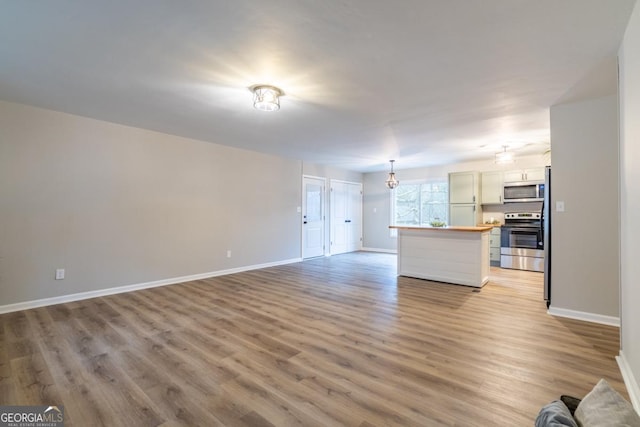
504	157
266	97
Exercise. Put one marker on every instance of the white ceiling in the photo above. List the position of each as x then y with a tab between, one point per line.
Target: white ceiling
425	82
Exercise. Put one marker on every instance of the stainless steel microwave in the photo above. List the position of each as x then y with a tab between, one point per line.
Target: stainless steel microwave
526	191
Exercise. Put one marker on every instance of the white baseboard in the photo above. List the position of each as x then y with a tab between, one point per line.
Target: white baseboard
128	288
583	315
386	251
629	381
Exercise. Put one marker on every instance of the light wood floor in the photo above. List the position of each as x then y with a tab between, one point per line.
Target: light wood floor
331	341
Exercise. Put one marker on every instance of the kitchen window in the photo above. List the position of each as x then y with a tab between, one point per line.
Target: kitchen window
418	203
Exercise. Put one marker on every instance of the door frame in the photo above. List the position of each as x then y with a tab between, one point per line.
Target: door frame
324	214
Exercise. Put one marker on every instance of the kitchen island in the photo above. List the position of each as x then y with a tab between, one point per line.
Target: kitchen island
458	255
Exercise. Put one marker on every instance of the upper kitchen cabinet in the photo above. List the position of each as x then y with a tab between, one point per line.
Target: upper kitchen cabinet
464	187
492	188
533	174
464	199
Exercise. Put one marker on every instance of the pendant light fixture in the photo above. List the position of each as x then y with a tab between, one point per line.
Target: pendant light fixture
502	158
391	181
266	98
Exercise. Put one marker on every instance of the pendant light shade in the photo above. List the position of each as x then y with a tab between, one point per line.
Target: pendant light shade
391	181
266	98
503	157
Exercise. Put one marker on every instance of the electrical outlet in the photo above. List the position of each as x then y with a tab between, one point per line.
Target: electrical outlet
60	274
559	206
228	254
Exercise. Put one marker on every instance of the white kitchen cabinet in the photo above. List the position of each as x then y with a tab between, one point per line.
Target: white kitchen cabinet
535	174
532	174
464	199
494	246
464	187
513	176
492	188
494	256
462	214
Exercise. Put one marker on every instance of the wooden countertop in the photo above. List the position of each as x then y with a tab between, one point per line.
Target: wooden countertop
449	228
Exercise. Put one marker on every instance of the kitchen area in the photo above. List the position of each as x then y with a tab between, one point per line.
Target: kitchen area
506	207
584	268
515	203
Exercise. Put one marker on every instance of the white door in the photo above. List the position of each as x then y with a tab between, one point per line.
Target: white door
346	217
312	217
354	241
339	214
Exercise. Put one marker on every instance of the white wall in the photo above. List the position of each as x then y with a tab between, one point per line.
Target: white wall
116	205
630	205
584	238
329	172
377	204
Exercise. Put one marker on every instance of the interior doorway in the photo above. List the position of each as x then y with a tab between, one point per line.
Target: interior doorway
313	218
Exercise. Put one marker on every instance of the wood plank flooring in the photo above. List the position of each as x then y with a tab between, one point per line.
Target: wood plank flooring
330	341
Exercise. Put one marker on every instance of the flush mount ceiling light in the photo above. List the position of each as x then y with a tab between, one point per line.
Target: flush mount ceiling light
502	158
266	98
391	181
